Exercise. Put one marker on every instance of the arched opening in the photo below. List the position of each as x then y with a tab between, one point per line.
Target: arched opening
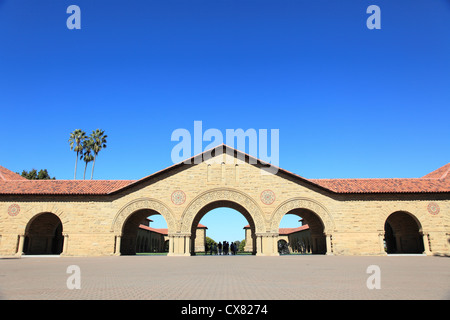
248	236
305	236
139	236
43	235
402	234
294	235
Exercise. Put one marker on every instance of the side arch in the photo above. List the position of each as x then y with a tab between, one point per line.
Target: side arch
140	204
302	203
222	194
35	211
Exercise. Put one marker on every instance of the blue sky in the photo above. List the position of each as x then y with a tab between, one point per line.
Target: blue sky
349	102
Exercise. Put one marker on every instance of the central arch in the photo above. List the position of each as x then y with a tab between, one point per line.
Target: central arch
222	204
217	198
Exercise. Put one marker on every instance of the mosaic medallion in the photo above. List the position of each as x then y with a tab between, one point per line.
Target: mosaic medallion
13	210
433	208
178	197
267	197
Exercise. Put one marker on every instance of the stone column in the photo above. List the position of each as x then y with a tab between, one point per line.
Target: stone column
181	244
171	246
20	245
65	243
275	244
381	243
259	245
426	244
329	246
117	245
187	245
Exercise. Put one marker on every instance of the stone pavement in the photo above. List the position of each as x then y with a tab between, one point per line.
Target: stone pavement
225	277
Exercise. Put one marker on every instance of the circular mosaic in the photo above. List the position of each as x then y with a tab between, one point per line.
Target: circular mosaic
433	208
14	210
178	197
267	197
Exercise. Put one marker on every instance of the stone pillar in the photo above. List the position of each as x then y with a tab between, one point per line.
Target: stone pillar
259	246
329	245
275	244
187	245
426	244
181	244
381	243
65	243
117	245
20	245
171	246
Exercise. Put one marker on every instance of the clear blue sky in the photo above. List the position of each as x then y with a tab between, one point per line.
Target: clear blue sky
349	102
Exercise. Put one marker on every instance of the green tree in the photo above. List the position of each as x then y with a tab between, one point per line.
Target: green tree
98	138
33	174
209	243
76	140
242	246
86	156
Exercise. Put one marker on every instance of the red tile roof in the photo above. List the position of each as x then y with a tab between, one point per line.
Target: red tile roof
157	230
441	173
70	187
8	175
394	185
162	230
286	231
436	181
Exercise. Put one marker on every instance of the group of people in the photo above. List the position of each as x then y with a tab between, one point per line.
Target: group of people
223	249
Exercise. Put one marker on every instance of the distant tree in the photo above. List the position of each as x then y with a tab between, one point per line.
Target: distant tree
242	246
76	140
98	138
33	174
209	243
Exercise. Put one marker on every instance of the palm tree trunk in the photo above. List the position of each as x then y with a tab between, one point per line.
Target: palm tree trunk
93	165
84	175
76	162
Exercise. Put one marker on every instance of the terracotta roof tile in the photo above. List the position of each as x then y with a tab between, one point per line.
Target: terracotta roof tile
8	175
72	187
417	185
161	230
286	231
441	173
436	181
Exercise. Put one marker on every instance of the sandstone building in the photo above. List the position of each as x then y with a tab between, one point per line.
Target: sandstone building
345	216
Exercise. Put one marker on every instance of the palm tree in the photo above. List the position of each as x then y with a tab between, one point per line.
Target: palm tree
87	156
76	143
98	138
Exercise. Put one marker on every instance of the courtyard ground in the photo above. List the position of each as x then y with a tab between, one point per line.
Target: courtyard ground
225	277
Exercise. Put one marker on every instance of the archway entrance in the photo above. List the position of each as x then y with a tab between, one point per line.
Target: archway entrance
43	235
294	236
402	234
307	238
139	237
229	205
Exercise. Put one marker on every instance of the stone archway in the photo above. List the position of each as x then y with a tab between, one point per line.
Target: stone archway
403	233
43	235
315	214
223	197
41	231
129	217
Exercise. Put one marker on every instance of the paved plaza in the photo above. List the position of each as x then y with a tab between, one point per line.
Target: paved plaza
225	277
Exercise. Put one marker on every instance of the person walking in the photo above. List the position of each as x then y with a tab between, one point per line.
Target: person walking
219	246
232	248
